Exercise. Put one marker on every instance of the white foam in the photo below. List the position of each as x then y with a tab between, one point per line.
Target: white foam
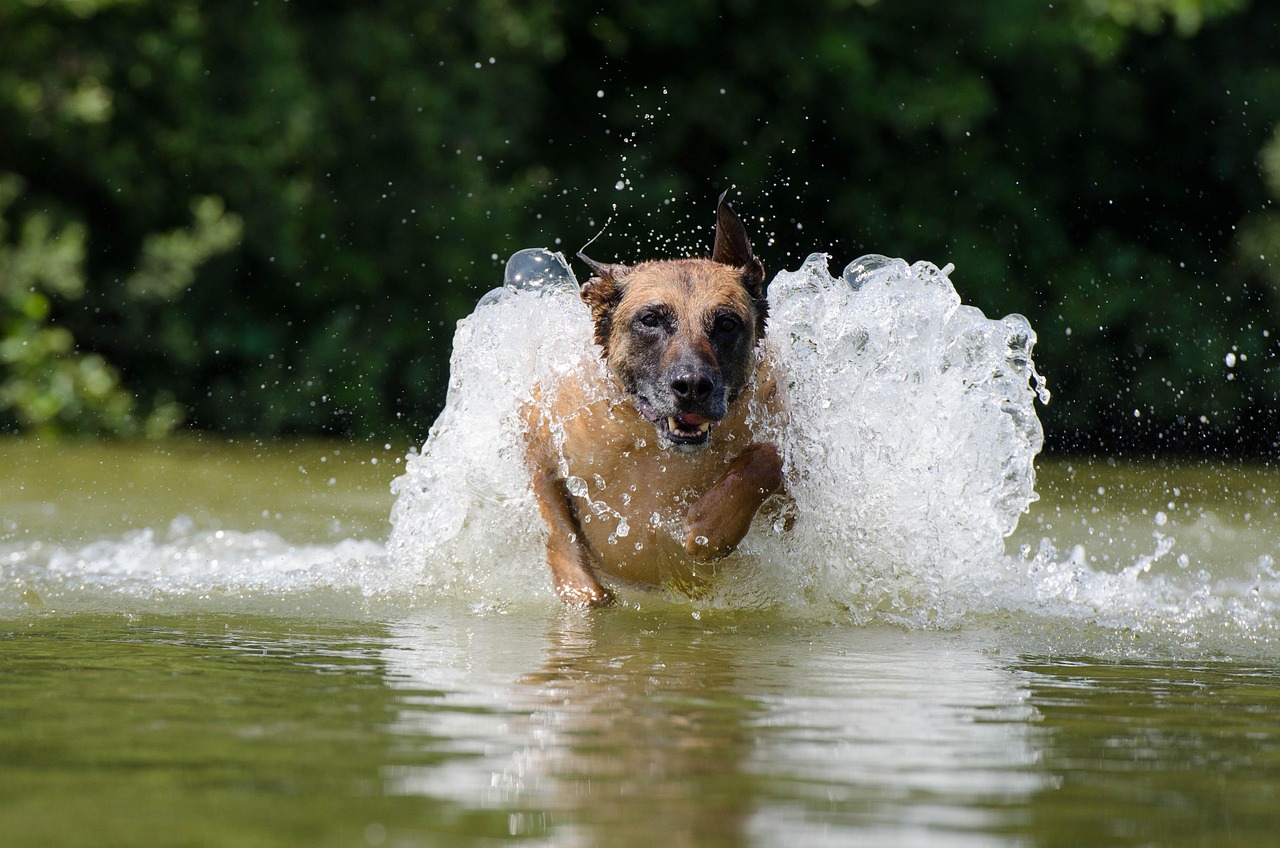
464	510
908	452
908	455
184	567
912	434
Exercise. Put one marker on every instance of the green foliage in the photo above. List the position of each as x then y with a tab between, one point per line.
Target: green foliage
1260	236
359	171
168	261
1103	26
45	382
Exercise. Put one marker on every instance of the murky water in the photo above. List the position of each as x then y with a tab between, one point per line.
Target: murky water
149	696
306	644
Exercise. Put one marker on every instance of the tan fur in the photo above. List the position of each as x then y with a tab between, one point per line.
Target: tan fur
651	515
607	441
694	288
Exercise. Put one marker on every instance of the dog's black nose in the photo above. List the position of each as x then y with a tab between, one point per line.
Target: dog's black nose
692	386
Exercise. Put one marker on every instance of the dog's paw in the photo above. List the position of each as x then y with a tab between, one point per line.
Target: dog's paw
701	542
720	519
583	594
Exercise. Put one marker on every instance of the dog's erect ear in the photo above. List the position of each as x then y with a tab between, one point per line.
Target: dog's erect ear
603	269
602	293
733	248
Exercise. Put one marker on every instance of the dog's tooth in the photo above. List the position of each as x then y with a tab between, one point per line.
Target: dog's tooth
671	423
704	426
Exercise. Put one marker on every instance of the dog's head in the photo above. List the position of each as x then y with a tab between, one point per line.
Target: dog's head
679	334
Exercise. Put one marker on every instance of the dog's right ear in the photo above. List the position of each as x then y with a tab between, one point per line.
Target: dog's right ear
732	247
602	293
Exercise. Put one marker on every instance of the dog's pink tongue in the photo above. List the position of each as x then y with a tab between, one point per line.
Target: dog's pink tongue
689	420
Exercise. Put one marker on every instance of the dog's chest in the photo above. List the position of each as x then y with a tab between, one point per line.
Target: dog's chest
631	495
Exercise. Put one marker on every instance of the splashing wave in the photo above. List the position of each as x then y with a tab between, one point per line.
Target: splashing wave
909	455
909	447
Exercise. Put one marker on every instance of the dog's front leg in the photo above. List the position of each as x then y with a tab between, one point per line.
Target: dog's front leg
570	563
718	520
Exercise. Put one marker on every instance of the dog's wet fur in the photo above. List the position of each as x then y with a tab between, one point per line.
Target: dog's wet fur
673	475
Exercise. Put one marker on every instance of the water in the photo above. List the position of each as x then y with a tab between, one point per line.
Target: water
909	454
555	727
212	643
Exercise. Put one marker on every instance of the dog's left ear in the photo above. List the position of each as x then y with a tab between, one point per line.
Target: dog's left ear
604	270
733	248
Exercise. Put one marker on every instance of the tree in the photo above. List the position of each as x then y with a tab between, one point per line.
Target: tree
1083	163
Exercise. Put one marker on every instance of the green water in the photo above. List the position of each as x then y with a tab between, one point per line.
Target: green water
68	491
186	721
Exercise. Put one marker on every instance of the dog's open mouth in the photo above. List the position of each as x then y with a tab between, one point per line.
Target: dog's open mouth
686	428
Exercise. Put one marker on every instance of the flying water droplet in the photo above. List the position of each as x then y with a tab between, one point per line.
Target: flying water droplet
536	269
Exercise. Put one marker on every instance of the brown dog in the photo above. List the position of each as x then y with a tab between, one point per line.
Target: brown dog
653	474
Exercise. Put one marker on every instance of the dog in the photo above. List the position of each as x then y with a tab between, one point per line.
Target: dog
653	474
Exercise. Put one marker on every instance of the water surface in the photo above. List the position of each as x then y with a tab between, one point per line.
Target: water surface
294	694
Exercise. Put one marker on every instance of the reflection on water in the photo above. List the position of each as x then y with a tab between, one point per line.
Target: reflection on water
928	740
616	728
607	730
1157	755
254	675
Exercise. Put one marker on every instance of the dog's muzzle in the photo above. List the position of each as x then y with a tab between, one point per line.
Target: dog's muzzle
691	405
686	429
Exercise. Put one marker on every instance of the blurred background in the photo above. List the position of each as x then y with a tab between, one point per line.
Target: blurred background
266	217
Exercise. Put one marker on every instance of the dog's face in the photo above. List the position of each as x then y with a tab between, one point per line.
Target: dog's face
679	334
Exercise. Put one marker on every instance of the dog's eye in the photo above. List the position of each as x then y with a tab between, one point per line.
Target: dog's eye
651	319
727	323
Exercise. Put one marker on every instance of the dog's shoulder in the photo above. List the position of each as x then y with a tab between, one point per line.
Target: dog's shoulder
582	412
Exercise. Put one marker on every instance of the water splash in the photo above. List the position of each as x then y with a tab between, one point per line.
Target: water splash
908	451
464	509
186	566
535	269
909	454
912	435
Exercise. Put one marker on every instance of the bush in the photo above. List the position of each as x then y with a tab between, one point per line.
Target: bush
359	171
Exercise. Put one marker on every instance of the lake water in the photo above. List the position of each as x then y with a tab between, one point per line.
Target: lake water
205	643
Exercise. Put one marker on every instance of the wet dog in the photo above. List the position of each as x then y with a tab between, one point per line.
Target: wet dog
653	474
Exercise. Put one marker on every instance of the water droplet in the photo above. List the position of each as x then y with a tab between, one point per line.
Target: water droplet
538	269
